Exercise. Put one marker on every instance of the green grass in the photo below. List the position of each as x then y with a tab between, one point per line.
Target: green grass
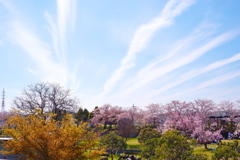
133	143
201	149
209	153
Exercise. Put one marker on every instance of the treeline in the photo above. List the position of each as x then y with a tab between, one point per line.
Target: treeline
201	119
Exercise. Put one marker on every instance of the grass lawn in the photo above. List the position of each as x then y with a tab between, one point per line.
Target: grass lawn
209	153
201	149
133	143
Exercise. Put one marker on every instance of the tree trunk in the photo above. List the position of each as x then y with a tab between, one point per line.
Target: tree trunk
112	156
205	145
105	125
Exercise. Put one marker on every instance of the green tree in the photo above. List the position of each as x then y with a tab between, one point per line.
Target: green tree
173	146
113	143
226	151
148	148
82	115
197	156
146	134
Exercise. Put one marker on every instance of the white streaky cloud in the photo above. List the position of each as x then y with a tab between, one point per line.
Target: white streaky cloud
47	68
53	30
39	53
175	7
227	94
208	83
143	35
9	5
154	73
66	12
32	71
194	73
75	82
66	15
59	29
216	80
201	33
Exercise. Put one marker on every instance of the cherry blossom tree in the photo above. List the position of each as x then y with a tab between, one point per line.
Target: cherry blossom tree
205	130
128	120
230	115
230	109
204	108
125	126
154	115
193	119
238	101
106	115
135	114
206	133
179	117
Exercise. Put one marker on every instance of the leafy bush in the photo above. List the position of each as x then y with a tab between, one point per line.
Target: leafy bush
113	142
146	134
148	149
171	145
197	157
226	151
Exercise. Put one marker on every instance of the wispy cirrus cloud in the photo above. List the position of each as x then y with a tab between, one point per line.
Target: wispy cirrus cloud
211	82
153	72
185	45
66	14
47	68
39	52
142	37
194	73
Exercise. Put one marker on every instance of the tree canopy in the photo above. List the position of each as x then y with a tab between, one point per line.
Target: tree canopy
227	151
113	142
173	146
146	134
82	115
38	137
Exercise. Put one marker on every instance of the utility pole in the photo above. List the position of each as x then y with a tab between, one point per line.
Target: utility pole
3	98
133	106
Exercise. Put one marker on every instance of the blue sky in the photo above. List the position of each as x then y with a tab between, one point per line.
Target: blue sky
122	52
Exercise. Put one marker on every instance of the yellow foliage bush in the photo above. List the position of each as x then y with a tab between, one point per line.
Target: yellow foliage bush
38	137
